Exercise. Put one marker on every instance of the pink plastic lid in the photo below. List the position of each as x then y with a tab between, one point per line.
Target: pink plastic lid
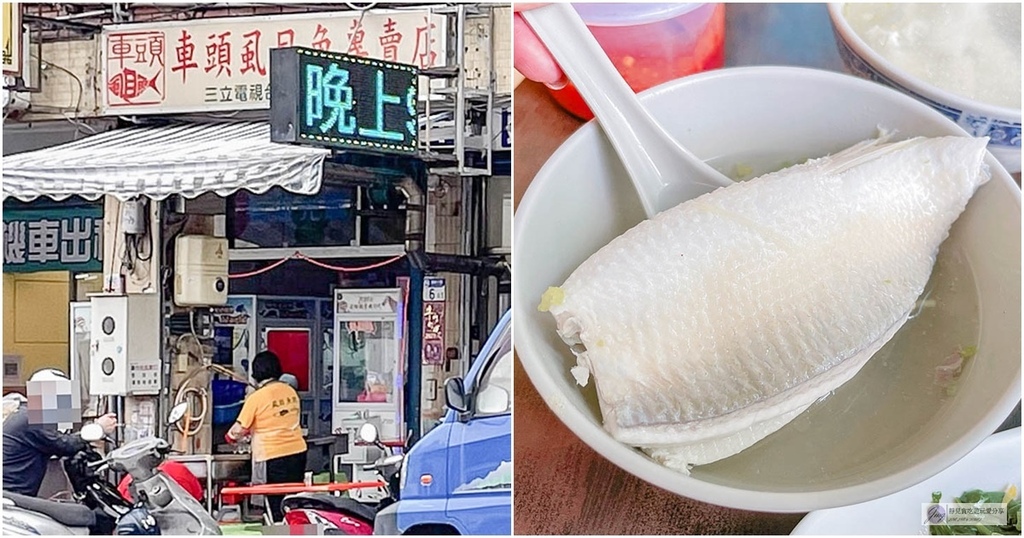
630	14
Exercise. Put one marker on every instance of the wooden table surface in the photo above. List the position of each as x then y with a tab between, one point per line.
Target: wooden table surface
561	485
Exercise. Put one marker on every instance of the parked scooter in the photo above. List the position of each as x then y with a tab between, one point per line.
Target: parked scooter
343	515
163	505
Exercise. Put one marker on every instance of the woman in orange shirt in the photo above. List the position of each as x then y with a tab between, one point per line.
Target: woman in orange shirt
271	416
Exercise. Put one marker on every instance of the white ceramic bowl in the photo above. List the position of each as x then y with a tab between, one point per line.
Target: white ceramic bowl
992	466
1002	124
581	200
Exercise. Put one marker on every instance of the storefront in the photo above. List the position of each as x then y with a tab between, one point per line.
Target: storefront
52	254
299	225
324	245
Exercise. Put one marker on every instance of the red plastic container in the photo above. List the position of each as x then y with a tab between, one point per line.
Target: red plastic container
651	43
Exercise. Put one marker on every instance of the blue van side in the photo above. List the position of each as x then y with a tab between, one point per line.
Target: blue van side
458	478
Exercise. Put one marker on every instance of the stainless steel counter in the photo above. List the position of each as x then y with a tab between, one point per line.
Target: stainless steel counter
216	468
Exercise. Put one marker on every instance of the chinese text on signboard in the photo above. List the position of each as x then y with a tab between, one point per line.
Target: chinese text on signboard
433	289
341	100
224	64
51	240
12	37
382	301
433	332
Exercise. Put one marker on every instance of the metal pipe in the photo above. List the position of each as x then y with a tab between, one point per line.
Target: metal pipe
483	327
359	216
489	127
84	15
414	377
492	87
460	88
430	13
478	194
54	23
415	213
468	280
457	263
426	107
480	224
415	235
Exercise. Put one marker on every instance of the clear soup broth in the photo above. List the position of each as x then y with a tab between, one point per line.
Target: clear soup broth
872	414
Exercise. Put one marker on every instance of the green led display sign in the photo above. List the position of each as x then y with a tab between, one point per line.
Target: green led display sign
335	100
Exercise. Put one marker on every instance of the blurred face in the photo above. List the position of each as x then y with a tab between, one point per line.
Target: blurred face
55	403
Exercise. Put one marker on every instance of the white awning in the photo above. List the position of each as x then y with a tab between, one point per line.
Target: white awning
187	159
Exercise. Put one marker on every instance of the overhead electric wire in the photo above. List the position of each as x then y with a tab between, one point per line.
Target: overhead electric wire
300	256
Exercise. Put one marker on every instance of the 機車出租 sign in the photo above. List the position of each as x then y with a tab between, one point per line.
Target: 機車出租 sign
224	63
53	240
342	101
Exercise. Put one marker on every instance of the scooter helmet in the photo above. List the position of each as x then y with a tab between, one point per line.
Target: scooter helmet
138	521
48	374
53	384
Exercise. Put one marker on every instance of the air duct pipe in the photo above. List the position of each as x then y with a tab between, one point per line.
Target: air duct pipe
415	214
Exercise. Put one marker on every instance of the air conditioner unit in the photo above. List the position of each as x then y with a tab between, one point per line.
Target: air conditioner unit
200	270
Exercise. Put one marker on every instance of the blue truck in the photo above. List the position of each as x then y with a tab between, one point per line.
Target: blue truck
458	478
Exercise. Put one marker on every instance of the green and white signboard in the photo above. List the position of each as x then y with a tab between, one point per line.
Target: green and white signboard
341	101
66	239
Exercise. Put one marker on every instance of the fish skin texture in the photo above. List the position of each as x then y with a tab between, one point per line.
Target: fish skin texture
715	323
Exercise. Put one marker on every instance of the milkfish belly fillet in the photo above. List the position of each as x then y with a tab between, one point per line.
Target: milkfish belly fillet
717	322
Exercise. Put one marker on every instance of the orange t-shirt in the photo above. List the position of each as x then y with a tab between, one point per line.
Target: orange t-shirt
272	415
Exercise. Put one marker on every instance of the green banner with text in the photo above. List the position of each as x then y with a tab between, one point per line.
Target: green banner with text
65	239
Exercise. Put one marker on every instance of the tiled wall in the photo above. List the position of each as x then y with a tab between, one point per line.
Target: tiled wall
60	89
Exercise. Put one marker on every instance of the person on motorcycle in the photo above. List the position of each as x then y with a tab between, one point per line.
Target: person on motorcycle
272	417
31	435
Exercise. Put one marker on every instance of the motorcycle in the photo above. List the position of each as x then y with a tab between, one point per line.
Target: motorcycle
342	515
162	506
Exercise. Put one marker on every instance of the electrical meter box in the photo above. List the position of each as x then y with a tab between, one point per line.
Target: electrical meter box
200	270
125	347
